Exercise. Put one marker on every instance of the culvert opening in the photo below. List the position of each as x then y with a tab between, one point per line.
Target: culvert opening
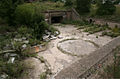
56	19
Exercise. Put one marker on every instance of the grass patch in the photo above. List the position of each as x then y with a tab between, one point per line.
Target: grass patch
43	75
93	29
113	32
5	28
47	5
76	22
13	70
117	10
114	17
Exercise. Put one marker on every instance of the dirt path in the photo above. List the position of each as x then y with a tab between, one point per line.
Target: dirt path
57	59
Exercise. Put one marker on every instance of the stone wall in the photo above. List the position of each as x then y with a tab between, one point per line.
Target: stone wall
83	68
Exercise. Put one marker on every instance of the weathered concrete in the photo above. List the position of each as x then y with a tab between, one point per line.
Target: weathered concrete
74	70
58	59
65	14
77	47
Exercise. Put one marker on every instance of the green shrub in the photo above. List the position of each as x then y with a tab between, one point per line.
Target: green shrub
94	28
83	6
43	75
7	8
111	34
69	3
117	10
76	22
31	16
116	2
116	29
28	15
14	70
39	29
107	8
24	31
6	28
2	21
34	42
4	40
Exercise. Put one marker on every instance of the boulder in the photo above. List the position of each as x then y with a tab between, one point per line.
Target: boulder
34	68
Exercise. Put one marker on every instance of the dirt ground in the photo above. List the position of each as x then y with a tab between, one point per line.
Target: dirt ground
70	45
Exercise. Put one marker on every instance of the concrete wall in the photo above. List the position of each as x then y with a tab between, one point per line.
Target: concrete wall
83	68
67	15
75	15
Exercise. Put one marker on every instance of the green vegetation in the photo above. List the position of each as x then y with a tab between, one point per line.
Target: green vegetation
108	8
76	22
114	32
22	26
43	6
28	15
24	22
117	2
43	76
117	10
14	70
69	3
107	11
7	8
92	28
114	17
83	6
6	28
7	42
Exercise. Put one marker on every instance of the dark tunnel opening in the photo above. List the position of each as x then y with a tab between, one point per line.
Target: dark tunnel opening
56	19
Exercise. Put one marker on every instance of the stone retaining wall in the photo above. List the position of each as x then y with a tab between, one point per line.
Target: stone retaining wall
83	68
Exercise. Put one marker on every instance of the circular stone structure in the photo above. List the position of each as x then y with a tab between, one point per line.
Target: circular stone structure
76	47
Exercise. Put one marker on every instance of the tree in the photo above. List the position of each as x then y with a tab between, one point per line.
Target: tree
7	8
106	8
68	3
117	2
83	6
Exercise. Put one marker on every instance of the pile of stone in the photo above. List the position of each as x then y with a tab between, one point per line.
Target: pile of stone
49	36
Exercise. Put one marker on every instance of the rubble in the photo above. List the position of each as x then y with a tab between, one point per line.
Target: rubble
11	60
10	57
26	41
24	46
60	37
57	32
3	76
20	40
